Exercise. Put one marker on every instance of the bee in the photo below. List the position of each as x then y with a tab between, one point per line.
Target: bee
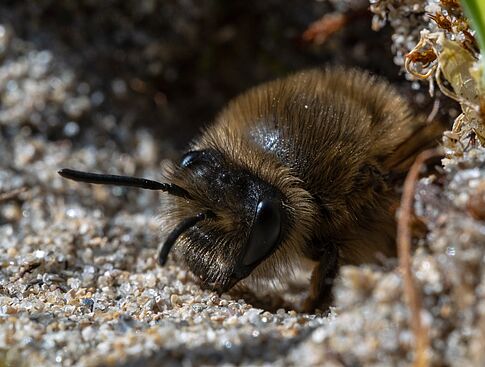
300	169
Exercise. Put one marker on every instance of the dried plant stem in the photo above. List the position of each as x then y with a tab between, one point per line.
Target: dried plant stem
412	295
9	195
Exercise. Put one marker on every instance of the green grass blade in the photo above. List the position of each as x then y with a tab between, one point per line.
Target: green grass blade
475	11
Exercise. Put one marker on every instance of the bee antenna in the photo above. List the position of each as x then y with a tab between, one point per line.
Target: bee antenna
103	179
175	234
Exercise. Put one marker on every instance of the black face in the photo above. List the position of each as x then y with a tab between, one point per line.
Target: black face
225	220
242	221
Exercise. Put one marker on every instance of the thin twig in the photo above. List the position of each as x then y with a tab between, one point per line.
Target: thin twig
434	111
413	297
9	195
321	30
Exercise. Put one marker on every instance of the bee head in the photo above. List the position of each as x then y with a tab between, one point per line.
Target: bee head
222	219
240	220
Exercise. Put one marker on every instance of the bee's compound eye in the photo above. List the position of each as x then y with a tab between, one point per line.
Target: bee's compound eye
191	157
265	232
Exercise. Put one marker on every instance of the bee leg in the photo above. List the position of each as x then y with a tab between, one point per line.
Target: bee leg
323	275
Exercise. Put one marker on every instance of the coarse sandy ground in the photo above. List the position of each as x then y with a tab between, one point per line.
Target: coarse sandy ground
113	88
